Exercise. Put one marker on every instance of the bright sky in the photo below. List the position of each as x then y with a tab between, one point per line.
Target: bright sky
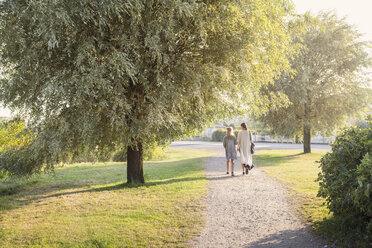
357	12
4	112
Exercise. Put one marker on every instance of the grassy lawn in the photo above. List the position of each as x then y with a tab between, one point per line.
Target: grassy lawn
298	172
87	205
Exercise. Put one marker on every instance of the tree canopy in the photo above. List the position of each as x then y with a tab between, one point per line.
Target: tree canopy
330	82
103	73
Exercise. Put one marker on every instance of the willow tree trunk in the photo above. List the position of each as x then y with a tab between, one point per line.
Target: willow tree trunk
135	164
307	139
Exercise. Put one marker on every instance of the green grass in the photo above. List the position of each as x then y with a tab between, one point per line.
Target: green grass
87	205
298	171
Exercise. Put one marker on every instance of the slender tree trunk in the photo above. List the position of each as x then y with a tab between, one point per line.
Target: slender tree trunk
135	164
307	139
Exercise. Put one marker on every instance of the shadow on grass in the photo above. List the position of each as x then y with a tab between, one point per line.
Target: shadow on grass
73	178
118	186
265	160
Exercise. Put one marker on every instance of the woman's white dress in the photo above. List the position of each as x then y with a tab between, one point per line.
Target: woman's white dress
244	142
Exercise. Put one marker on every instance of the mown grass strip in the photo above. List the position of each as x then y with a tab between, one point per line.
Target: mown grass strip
87	205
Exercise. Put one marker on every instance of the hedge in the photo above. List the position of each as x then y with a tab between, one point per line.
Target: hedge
218	134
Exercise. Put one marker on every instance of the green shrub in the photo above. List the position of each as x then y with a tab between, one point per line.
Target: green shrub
218	134
13	133
17	155
362	195
85	156
3	174
155	153
120	155
20	161
346	183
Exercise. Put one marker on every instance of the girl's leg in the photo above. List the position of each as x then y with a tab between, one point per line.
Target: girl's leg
232	167
243	168
227	166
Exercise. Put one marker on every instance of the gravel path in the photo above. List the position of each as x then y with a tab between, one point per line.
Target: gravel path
249	211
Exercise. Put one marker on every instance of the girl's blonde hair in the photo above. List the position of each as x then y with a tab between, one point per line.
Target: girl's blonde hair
229	132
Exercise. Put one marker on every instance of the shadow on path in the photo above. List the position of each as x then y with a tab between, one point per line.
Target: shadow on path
284	239
217	178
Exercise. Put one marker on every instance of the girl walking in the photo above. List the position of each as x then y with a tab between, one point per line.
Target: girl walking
244	147
229	142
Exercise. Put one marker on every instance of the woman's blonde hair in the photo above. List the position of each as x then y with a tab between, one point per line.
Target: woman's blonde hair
229	132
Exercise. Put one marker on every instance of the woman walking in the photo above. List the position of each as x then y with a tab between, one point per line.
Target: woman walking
229	142
244	147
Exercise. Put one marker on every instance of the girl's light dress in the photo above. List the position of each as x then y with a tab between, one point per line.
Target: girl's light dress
229	143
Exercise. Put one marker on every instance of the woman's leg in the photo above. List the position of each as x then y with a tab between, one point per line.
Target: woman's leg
227	165
250	161
232	167
243	168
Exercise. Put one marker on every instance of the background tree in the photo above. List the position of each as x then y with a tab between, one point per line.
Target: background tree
329	84
101	73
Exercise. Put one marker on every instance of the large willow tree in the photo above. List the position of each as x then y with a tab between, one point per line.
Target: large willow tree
96	74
